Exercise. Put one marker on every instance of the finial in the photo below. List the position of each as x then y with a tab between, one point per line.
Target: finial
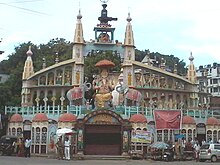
129	17
29	52
191	58
104	1
79	16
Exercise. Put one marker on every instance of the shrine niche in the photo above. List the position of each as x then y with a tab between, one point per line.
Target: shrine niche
51	78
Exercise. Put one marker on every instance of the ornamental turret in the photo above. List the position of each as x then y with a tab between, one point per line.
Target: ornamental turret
28	66
191	75
129	54
78	50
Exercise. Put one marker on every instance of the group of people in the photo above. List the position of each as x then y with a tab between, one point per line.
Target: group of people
63	148
22	147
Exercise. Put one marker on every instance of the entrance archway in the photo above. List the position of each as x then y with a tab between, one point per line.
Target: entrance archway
103	133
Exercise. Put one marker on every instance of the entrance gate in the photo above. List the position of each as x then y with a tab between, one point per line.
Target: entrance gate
103	140
103	133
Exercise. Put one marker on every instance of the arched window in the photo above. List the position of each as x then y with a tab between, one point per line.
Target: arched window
215	140
44	135
159	135
37	135
189	135
183	132
171	135
33	137
13	131
19	131
9	131
218	134
209	135
194	133
165	135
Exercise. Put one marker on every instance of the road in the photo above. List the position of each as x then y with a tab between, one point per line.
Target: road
10	160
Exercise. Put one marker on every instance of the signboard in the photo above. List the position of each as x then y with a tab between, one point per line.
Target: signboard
201	128
201	131
140	136
27	127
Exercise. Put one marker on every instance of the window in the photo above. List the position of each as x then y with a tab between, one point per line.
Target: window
19	131
215	81
44	135
37	135
215	136
159	135
205	146
33	137
13	131
166	135
189	134
216	146
209	135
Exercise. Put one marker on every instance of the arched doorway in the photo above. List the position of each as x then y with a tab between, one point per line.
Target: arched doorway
103	133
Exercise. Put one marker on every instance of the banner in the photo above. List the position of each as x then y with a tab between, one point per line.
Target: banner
168	119
140	136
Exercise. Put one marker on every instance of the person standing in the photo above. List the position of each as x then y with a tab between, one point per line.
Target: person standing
67	145
196	149
59	146
27	145
21	147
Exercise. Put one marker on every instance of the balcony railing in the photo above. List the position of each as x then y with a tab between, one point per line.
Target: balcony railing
56	111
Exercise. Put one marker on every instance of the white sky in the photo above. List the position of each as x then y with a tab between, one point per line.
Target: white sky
166	26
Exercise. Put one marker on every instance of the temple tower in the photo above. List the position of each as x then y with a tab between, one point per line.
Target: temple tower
28	72
191	75
129	54
78	53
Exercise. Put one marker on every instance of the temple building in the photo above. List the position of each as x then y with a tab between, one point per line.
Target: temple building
149	101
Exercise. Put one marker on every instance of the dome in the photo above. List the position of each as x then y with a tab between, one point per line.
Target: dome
188	120
16	118
105	63
67	117
138	118
40	117
212	121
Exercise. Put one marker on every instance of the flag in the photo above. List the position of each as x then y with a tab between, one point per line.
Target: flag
168	119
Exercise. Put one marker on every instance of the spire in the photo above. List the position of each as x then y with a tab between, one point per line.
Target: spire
129	38
28	66
191	75
78	37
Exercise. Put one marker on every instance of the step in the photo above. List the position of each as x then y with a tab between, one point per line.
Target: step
103	157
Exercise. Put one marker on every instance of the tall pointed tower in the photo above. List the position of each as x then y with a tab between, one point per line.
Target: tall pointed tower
28	71
78	46
191	75
129	54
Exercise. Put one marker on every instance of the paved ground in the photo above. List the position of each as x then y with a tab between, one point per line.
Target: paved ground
10	160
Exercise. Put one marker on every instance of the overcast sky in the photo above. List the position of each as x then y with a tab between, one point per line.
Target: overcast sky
166	26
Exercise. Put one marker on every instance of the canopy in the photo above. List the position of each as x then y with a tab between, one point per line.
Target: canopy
64	131
180	136
160	145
